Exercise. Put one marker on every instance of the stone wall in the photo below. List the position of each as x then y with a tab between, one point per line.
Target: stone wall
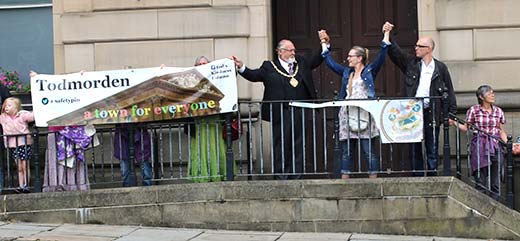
98	35
436	206
477	40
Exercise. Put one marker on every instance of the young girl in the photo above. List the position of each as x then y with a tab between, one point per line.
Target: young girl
15	121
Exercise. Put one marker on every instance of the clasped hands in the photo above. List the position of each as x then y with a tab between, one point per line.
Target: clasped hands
324	37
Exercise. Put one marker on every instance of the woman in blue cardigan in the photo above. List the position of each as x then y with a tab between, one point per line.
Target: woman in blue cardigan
358	83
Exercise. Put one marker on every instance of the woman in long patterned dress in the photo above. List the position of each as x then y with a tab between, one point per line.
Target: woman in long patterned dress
65	164
207	146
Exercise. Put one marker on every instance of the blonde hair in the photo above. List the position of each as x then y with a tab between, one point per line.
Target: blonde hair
363	52
16	101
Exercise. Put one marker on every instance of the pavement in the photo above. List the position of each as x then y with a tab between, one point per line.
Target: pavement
73	232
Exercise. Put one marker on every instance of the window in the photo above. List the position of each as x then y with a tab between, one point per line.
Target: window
26	40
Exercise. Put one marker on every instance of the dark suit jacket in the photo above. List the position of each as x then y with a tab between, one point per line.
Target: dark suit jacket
274	89
4	94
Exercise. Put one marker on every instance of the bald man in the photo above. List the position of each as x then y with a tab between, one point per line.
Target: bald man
287	77
424	76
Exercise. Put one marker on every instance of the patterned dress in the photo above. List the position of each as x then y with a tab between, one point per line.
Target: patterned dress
65	165
359	91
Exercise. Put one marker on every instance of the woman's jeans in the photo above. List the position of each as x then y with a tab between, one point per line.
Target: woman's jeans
347	157
146	173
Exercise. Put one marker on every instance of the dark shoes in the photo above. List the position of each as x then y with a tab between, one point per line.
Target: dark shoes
26	190
22	190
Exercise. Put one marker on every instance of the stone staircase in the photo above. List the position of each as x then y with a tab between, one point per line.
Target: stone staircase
431	206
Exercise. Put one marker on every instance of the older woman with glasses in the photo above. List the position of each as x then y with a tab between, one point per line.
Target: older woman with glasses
485	154
357	83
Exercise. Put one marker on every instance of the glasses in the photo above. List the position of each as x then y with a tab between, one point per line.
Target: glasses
288	50
490	93
421	46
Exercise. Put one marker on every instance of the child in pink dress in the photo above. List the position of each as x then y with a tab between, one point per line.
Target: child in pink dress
15	121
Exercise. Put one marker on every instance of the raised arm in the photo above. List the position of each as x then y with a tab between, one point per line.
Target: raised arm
381	55
333	65
316	58
325	43
27	116
396	54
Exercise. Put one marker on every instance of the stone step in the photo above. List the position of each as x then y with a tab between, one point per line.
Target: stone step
432	206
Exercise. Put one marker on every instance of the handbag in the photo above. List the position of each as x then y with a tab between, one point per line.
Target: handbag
358	119
236	129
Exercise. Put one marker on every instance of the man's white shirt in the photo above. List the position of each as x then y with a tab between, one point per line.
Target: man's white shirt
423	90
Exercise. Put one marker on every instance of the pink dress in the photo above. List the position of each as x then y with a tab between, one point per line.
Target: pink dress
16	125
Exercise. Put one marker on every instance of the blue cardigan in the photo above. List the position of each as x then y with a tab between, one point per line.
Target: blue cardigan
368	74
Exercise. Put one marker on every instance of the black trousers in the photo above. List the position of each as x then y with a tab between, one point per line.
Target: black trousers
288	144
3	161
431	142
489	172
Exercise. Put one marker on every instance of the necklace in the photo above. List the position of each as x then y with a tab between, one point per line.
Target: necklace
293	81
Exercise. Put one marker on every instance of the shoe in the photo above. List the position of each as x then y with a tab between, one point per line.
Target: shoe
372	176
26	190
18	190
345	176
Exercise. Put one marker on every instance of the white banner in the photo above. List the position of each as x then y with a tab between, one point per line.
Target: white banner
134	95
399	121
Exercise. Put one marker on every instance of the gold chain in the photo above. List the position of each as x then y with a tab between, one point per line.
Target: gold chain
284	74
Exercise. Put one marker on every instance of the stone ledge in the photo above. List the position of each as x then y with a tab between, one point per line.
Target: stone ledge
441	206
105	5
419	186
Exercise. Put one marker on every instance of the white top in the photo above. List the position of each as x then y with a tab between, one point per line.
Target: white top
359	89
423	90
284	64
